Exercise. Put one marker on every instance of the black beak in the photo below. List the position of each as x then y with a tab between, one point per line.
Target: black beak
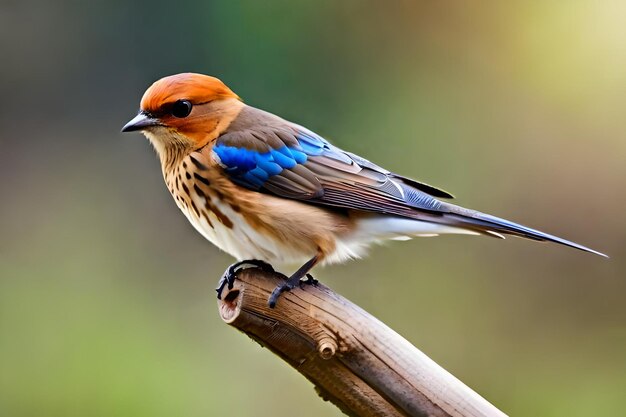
140	122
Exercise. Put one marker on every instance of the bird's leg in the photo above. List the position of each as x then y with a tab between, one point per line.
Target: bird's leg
229	276
294	280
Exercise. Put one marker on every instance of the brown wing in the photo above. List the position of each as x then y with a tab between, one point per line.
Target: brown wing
265	153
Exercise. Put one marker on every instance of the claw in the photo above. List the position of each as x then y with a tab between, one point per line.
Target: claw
310	280
277	292
288	286
229	276
294	280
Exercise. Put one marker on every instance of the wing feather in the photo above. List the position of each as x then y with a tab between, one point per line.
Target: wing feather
268	154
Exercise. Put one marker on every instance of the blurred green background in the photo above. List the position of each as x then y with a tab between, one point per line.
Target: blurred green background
106	293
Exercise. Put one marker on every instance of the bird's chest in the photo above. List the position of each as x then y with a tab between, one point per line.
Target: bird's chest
221	221
205	209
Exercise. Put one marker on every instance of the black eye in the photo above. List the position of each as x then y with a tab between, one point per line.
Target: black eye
181	108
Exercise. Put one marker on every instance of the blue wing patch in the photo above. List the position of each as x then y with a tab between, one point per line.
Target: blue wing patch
311	144
252	168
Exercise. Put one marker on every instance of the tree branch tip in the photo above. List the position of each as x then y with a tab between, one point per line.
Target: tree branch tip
229	305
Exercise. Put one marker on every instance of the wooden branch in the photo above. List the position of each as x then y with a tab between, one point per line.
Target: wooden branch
353	359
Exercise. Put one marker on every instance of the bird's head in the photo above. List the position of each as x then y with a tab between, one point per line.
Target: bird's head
185	112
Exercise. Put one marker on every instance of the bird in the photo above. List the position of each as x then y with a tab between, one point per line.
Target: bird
268	191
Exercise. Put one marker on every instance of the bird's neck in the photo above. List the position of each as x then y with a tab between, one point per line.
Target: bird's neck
171	147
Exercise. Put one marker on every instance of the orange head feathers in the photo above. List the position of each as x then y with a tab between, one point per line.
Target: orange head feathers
189	109
196	88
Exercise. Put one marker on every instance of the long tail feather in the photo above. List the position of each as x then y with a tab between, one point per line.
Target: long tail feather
486	223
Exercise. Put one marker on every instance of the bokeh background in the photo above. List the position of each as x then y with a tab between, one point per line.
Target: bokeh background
106	292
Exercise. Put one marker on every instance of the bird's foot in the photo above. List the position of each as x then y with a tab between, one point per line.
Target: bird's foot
289	285
309	281
229	276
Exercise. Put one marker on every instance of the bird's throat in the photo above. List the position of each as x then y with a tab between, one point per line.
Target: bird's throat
170	146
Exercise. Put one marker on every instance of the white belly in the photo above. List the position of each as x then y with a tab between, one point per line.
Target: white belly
241	241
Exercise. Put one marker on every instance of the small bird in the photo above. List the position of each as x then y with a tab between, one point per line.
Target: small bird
266	190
